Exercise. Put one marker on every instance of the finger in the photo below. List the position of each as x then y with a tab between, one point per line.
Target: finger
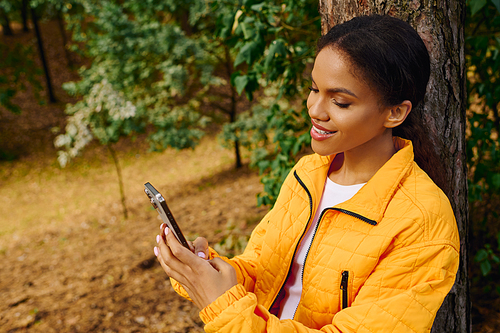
162	230
225	269
170	264
167	268
177	257
220	265
180	252
191	246
201	247
165	255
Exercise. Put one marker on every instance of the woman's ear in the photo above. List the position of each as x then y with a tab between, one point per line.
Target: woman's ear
397	114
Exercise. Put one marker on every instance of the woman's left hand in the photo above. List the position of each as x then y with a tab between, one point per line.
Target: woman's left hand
204	280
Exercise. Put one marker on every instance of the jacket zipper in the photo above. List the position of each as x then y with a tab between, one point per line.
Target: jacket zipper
360	217
344	283
307	253
302	236
348	212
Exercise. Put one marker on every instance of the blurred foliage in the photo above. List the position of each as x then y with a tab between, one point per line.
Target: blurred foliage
17	71
173	60
483	63
276	42
181	66
233	240
140	50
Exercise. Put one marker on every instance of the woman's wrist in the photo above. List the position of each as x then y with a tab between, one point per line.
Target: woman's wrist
223	302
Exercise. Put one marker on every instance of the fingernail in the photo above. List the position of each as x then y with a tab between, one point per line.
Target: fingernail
158	238
201	254
166	231
161	225
156	251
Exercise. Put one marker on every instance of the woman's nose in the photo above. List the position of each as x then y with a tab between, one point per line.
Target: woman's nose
316	109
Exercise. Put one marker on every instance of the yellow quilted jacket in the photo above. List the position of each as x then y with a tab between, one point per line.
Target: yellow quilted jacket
382	261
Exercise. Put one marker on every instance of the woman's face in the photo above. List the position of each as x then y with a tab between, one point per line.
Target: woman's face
345	112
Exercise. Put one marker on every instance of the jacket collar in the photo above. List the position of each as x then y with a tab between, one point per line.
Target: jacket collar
372	199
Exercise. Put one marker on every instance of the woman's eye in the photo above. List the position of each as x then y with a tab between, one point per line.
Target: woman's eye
340	105
313	89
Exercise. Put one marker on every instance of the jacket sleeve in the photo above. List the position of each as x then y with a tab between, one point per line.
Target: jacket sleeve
246	263
427	272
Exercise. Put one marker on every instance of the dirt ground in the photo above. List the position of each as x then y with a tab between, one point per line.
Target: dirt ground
95	271
103	276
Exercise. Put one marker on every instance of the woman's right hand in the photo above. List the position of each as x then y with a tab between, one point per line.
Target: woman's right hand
204	280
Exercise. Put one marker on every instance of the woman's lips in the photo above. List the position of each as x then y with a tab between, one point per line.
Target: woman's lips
320	133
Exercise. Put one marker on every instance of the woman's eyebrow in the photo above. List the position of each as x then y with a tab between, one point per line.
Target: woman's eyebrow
337	90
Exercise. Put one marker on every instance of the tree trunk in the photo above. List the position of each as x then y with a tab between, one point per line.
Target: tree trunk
440	23
120	180
4	18
232	119
50	91
24	15
233	107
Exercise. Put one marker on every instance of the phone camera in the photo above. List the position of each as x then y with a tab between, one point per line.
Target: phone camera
154	204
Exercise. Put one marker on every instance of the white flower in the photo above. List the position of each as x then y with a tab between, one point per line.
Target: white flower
81	128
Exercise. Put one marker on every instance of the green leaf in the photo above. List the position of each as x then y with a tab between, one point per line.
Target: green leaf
495	179
240	83
485	267
258	7
246	30
276	49
481	255
476	5
497	4
245	54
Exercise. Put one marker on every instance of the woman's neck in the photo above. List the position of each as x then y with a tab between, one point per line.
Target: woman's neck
359	165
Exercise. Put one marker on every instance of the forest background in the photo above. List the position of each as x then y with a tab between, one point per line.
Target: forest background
122	89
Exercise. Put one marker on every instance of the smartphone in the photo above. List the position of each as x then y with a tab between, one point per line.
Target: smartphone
161	207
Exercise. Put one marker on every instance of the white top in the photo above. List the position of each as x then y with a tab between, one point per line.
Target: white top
333	194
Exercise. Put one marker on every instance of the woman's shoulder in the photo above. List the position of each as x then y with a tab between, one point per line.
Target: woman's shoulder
420	188
428	206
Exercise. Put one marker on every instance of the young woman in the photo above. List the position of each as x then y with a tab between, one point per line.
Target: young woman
360	238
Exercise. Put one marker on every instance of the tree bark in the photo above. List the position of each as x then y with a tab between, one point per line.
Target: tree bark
440	23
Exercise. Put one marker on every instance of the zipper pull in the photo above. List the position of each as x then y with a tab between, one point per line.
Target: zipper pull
343	287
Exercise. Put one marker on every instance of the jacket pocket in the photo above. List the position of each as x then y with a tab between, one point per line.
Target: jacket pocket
344	289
